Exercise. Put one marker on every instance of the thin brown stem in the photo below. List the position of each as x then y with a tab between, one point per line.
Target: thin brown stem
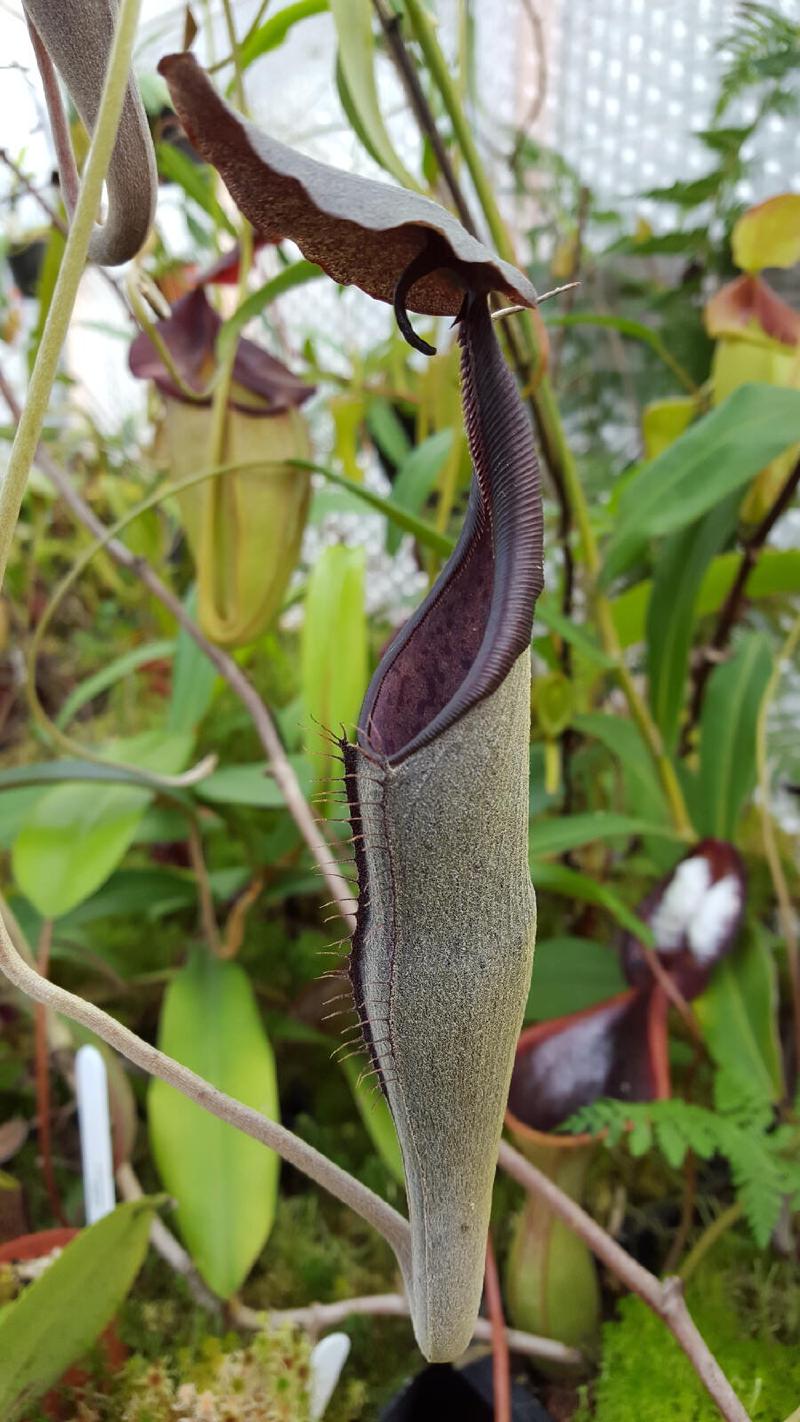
165	1243
708	1239
501	1369
733	606
316	1318
665	1298
42	1075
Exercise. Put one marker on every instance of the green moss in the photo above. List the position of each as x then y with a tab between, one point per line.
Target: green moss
748	1313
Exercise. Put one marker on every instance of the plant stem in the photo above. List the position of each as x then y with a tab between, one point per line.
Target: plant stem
317	1317
501	1371
708	1238
768	836
48	355
665	1298
149	1059
558	455
42	1075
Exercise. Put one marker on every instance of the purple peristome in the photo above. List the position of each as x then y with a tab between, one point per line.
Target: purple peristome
695	914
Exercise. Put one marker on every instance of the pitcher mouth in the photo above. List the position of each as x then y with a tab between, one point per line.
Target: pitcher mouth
462	641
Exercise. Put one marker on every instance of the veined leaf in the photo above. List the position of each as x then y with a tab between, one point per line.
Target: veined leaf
76	835
727	771
716	456
671	611
225	1183
58	1317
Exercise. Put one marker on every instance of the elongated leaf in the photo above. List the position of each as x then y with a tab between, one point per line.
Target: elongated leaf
76	835
716	456
424	533
727	736
572	884
273	32
671	611
738	1014
58	1317
417	477
251	784
375	1114
572	632
225	1183
334	641
556	836
570	974
776	572
353	21
643	791
108	675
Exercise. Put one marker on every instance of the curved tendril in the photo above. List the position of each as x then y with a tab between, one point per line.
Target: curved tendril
427	261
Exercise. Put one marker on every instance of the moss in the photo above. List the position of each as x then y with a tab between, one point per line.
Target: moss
748	1312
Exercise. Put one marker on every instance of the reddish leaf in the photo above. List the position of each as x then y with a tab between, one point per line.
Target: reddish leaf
749	306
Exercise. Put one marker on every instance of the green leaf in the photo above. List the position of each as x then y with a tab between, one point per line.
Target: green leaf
388	431
353	21
671	611
334	639
417	477
424	533
570	831
197	181
690	193
76	835
225	1183
58	1317
193	678
643	791
716	456
578	637
777	572
375	1114
297	274
252	784
727	771
570	974
273	32
738	1014
112	672
572	884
